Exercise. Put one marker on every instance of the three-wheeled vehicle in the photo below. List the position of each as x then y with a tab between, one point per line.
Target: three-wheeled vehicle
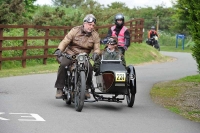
113	78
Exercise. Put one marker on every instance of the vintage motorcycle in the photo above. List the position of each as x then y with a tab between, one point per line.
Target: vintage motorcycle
75	81
113	79
153	42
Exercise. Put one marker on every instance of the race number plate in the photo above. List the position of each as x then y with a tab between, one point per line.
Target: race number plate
120	77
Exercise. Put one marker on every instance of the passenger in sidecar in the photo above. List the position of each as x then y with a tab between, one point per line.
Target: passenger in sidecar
111	52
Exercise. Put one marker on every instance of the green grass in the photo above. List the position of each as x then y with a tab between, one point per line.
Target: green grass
195	78
174	49
49	68
141	52
174	109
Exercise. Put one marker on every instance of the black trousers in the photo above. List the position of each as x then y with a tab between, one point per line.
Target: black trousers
60	81
122	50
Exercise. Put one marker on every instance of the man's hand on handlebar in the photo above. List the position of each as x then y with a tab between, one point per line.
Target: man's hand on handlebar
95	56
58	53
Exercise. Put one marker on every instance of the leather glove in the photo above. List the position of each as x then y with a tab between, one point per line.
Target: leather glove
95	56
58	52
104	41
125	47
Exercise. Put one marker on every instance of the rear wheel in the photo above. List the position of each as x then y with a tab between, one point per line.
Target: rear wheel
80	91
130	98
131	89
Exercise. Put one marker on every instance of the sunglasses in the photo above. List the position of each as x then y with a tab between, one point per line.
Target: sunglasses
90	20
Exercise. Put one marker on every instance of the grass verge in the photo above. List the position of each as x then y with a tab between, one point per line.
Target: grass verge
49	68
174	49
180	96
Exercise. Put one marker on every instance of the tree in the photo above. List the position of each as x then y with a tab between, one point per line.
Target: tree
16	11
11	11
190	11
180	18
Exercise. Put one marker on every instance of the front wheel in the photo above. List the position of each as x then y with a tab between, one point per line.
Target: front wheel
80	91
157	46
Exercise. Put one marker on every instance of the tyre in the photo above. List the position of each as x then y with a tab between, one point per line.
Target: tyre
80	91
130	98
68	100
131	88
157	46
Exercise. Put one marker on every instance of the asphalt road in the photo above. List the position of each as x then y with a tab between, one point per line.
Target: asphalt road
27	105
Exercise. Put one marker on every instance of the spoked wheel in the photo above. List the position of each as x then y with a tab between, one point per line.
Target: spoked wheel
80	91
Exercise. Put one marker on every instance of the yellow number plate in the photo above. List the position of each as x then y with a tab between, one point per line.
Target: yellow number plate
120	77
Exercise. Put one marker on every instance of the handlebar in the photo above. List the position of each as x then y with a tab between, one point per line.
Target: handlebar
75	57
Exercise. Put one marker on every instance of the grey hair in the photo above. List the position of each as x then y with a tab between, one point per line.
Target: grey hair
88	16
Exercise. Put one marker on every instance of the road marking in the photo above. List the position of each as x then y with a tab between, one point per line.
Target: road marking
29	115
1	118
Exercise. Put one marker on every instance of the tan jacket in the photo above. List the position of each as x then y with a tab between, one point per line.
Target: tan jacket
77	41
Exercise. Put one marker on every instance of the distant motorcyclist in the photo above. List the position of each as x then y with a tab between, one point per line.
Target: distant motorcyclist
152	32
121	32
153	38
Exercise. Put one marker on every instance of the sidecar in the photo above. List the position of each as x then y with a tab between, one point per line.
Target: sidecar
115	79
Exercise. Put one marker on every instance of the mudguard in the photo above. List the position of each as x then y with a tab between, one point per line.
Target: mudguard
132	78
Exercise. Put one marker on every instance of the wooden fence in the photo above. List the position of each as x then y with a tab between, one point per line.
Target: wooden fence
135	27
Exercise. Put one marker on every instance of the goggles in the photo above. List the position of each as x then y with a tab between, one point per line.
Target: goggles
112	41
90	20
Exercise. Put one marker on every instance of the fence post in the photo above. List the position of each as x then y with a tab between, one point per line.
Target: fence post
141	30
136	30
65	32
131	30
25	48
1	43
46	46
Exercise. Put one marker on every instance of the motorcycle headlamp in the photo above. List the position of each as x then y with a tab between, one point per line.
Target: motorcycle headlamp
81	58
